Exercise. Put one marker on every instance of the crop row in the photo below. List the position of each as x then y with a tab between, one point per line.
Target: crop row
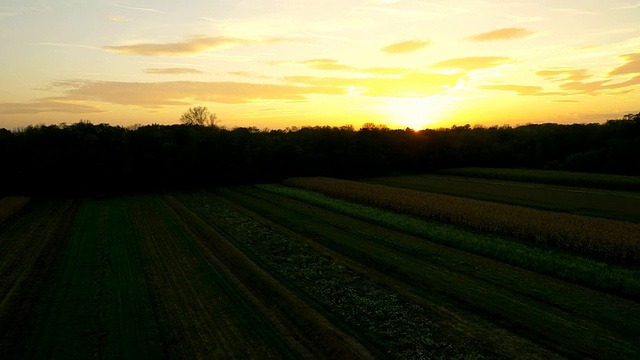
199	313
595	274
603	181
97	302
538	308
120	278
607	239
394	324
304	329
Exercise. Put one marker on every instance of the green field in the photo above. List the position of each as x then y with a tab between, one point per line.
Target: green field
273	271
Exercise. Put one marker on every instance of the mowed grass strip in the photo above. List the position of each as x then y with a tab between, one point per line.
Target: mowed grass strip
200	313
30	247
555	314
309	333
606	239
390	325
98	305
607	277
570	178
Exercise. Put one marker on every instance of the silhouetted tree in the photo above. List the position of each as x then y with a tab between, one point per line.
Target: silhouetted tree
199	115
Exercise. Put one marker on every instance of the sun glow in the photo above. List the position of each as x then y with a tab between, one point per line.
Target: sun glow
416	114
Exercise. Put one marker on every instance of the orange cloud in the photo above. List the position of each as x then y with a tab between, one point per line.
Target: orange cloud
632	65
116	18
172	71
596	87
159	94
407	85
326	64
473	63
45	106
405	47
186	47
522	90
502	34
562	75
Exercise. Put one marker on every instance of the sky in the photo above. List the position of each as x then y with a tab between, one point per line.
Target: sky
290	63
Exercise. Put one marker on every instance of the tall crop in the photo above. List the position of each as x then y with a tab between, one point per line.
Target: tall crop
608	239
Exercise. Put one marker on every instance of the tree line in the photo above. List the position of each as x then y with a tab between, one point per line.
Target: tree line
99	159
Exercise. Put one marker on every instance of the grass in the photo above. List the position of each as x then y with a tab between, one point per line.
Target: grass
98	303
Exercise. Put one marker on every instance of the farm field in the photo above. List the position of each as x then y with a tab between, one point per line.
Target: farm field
578	179
275	271
582	201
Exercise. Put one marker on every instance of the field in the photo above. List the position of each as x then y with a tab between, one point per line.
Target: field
279	271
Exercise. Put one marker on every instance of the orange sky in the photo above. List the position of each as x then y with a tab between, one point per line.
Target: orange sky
284	63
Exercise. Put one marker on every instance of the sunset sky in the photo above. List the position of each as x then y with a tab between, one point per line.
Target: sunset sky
284	63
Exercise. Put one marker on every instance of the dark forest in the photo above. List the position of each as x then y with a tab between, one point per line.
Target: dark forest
85	159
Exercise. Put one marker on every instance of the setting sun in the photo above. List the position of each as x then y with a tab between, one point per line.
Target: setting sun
416	114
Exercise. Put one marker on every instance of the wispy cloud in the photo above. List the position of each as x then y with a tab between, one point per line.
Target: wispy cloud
386	71
68	45
564	74
603	86
632	65
326	64
187	46
407	85
333	65
405	47
528	19
46	106
627	7
522	90
117	18
250	75
139	8
8	13
172	71
502	34
161	94
473	62
575	11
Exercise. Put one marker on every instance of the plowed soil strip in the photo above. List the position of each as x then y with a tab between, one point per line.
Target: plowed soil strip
201	314
306	331
556	314
30	246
